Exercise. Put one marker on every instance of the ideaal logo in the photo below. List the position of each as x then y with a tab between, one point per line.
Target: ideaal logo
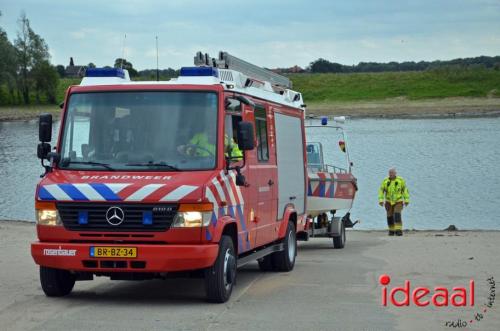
439	297
460	296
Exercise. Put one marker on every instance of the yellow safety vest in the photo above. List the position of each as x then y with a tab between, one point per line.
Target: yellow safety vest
393	191
201	139
231	145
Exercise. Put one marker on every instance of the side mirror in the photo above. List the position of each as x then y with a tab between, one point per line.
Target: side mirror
245	136
240	180
45	128
42	151
245	100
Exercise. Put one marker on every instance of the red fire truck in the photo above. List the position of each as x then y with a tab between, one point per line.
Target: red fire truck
202	173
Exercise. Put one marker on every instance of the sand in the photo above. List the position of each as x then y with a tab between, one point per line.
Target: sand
328	289
25	113
390	108
404	108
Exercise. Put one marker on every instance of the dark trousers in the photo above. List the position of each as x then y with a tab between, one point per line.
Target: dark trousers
394	220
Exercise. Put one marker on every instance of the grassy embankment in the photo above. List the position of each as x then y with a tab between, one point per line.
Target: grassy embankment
441	91
23	112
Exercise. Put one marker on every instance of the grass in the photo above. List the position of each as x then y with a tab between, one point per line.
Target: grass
439	83
64	83
415	85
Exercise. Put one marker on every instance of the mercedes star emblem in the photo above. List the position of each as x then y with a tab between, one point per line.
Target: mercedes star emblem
115	215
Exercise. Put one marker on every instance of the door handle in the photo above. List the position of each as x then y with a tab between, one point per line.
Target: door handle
270	182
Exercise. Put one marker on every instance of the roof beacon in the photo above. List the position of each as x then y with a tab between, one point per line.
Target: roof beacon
105	76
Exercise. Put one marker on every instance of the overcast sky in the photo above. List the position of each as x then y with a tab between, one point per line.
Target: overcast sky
268	33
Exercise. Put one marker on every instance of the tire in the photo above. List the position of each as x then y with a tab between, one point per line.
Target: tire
285	260
266	263
56	282
339	241
221	277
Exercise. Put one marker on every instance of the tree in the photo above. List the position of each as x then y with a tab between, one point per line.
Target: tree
32	51
322	65
123	63
8	65
90	65
46	79
60	70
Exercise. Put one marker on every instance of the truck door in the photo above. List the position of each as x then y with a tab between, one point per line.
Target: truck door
266	169
244	196
290	161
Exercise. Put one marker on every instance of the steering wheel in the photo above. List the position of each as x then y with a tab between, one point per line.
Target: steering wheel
198	147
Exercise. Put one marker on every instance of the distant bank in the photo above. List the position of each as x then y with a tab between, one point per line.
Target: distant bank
403	108
388	108
412	85
442	92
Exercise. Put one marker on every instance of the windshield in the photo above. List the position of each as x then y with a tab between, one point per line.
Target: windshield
169	131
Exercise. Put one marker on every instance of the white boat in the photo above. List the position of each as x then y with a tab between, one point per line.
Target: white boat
331	188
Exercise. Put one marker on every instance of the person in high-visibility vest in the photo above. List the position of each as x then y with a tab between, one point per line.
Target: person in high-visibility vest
231	146
393	193
200	145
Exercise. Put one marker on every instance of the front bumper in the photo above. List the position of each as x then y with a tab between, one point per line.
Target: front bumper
150	258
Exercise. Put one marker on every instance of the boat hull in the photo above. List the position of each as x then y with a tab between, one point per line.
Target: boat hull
330	191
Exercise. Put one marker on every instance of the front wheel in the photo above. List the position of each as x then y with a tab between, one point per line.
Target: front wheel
56	282
285	260
220	278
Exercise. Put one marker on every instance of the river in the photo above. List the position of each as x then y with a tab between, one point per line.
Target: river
451	167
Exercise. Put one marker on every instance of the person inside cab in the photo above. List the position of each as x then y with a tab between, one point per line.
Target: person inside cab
231	149
201	144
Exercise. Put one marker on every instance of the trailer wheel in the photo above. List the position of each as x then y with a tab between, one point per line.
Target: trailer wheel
266	263
285	260
220	278
339	241
56	282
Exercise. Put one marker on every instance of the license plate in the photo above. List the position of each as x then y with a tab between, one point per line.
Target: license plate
113	251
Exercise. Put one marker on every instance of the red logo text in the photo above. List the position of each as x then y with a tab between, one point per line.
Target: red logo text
423	296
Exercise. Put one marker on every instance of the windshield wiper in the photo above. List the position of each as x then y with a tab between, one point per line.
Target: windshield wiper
153	164
104	165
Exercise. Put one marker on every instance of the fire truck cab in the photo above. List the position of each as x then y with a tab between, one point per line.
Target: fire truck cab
203	173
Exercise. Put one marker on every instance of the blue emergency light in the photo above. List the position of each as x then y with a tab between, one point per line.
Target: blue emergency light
83	217
324	120
147	218
199	71
105	72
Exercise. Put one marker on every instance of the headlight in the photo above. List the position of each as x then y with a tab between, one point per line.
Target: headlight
47	217
191	219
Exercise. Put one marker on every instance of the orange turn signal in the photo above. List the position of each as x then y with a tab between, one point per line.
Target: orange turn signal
196	207
43	205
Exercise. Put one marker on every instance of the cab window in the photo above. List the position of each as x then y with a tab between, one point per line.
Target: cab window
261	132
233	117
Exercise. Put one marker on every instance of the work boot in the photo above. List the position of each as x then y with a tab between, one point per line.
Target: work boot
391	233
399	233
